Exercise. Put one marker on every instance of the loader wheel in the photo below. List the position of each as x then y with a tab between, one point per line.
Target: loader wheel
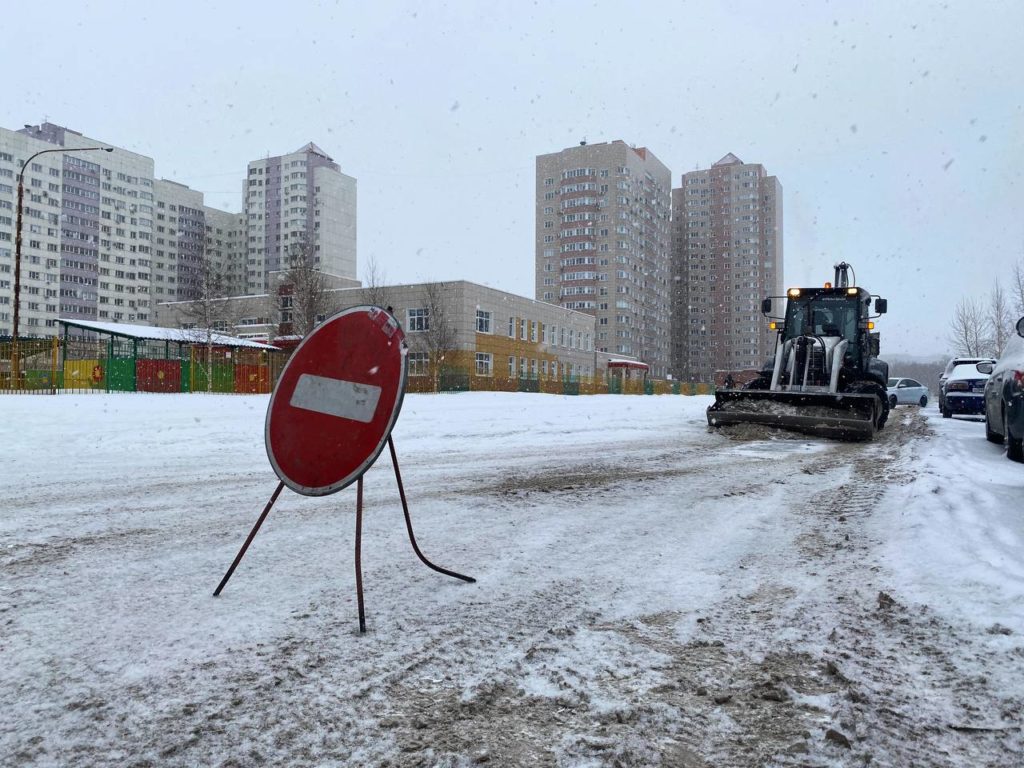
924	400
885	409
892	401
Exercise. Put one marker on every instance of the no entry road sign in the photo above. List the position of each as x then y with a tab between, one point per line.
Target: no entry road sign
337	401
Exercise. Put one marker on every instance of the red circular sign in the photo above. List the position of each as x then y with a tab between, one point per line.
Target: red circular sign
337	401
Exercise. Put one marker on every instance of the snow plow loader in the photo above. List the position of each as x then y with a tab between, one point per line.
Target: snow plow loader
825	377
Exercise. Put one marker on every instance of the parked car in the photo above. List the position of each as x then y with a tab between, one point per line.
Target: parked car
1004	398
903	391
953	363
965	390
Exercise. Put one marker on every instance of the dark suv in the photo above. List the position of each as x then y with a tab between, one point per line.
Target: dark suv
953	363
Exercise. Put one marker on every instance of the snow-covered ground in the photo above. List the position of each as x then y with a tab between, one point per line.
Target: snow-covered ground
649	592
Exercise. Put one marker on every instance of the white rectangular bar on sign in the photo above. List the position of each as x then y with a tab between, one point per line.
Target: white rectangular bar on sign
336	397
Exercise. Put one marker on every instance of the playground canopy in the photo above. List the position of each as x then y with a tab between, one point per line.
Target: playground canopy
141	358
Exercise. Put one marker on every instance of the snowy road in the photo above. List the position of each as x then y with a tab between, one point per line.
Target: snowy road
648	593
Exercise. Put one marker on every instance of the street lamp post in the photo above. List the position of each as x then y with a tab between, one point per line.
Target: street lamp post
15	362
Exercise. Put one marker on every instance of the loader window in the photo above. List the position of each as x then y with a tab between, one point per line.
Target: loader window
828	315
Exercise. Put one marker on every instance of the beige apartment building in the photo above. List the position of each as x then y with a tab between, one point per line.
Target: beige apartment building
603	245
296	201
726	256
88	231
104	239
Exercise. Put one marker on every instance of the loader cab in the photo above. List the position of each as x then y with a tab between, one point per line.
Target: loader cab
824	312
838	313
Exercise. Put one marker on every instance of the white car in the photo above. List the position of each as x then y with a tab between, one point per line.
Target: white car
906	392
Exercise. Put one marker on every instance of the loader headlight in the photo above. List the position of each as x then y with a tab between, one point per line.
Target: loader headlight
773	326
852	291
871	326
793	293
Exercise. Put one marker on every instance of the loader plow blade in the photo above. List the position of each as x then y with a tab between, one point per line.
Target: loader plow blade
842	416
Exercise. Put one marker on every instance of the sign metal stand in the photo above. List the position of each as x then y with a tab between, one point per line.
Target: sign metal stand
360	394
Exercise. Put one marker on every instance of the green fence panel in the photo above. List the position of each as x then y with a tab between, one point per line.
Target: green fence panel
186	376
223	378
529	385
570	387
648	387
121	374
614	386
675	387
38	379
453	382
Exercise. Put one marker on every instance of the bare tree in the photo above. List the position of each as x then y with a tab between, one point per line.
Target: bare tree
1016	297
438	333
308	289
967	329
210	312
1000	319
374	285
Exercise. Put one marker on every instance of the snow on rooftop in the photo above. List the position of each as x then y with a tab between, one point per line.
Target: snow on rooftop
156	333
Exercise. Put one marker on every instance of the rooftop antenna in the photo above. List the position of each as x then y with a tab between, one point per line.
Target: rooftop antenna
583	142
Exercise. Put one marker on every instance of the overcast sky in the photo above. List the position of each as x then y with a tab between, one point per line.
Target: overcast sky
896	130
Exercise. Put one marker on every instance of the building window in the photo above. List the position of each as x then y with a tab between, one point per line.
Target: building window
522	330
533	330
511	327
511	366
418	362
483	321
484	364
418	319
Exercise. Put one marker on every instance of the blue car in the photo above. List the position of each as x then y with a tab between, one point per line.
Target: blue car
965	390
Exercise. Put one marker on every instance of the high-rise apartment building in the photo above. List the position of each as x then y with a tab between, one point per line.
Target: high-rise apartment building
294	202
104	239
603	244
88	223
726	257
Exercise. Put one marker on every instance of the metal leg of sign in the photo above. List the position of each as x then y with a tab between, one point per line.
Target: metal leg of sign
408	521
248	541
359	564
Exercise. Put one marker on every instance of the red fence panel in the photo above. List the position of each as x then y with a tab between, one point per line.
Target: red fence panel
158	375
252	379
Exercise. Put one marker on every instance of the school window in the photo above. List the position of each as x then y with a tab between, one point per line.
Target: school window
522	330
511	327
484	364
483	321
511	366
418	319
533	330
418	362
